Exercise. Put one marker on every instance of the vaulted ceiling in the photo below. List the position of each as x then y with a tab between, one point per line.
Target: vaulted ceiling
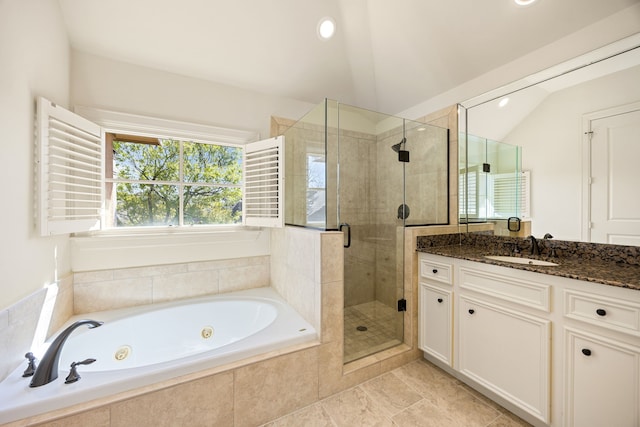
386	55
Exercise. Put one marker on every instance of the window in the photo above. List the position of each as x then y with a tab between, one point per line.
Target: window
468	194
157	172
169	182
316	189
511	195
493	196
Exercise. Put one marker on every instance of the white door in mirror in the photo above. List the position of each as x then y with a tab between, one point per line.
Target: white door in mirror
615	150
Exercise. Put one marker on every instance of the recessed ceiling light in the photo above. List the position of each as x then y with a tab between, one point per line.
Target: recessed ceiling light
524	2
503	102
326	28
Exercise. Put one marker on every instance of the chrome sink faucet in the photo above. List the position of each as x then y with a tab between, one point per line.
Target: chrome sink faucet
47	370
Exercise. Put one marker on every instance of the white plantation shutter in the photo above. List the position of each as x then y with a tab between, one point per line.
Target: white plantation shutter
511	195
69	152
263	195
468	194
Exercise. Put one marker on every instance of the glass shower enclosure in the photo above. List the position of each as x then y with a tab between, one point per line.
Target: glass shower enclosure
369	175
492	184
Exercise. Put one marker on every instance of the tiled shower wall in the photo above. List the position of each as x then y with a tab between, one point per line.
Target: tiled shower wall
370	193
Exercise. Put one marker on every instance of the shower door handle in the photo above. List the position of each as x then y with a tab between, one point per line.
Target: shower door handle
343	225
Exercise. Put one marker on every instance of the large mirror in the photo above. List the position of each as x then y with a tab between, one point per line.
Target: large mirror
578	125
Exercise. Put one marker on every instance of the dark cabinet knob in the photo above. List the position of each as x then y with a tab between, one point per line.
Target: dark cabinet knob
435	271
440	300
586	352
601	312
471	311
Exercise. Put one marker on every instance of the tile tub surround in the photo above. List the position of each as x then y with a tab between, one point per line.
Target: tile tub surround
245	394
412	394
613	265
118	288
310	278
31	320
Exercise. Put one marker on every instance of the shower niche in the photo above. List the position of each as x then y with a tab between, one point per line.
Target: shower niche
369	175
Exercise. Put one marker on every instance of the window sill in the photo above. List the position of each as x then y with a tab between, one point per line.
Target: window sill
119	248
165	231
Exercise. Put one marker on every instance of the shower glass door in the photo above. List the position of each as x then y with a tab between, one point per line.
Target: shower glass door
369	175
370	211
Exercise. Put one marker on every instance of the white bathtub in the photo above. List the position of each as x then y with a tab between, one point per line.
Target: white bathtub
144	345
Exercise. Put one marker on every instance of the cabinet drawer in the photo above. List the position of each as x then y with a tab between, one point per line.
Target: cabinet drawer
524	292
436	271
607	312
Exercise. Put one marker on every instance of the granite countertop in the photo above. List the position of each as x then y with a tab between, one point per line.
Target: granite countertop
599	264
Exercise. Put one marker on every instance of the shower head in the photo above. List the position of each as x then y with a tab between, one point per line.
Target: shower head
396	147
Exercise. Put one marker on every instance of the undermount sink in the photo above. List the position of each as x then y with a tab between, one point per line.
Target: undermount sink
516	260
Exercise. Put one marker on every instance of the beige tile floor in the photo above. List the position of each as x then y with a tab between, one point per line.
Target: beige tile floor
416	394
382	332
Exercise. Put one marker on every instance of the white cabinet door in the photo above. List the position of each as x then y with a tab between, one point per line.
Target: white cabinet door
435	322
507	352
602	380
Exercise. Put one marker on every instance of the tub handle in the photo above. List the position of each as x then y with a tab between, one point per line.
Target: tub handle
31	367
343	225
74	375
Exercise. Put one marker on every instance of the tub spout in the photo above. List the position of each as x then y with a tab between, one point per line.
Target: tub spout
47	370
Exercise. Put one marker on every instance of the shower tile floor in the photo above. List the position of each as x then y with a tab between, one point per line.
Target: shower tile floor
382	329
418	394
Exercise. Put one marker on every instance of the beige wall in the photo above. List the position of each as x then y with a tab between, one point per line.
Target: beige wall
105	83
34	53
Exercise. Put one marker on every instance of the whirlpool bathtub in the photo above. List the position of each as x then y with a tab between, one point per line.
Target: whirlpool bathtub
139	346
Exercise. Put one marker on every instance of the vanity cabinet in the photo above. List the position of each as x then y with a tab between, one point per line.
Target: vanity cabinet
507	352
435	315
504	336
602	373
556	351
436	310
602	379
500	341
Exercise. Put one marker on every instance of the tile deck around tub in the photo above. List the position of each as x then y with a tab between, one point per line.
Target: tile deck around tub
416	394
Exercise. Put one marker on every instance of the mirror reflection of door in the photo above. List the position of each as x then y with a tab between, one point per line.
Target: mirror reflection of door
615	176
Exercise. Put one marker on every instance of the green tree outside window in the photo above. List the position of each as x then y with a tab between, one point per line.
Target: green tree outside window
176	183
